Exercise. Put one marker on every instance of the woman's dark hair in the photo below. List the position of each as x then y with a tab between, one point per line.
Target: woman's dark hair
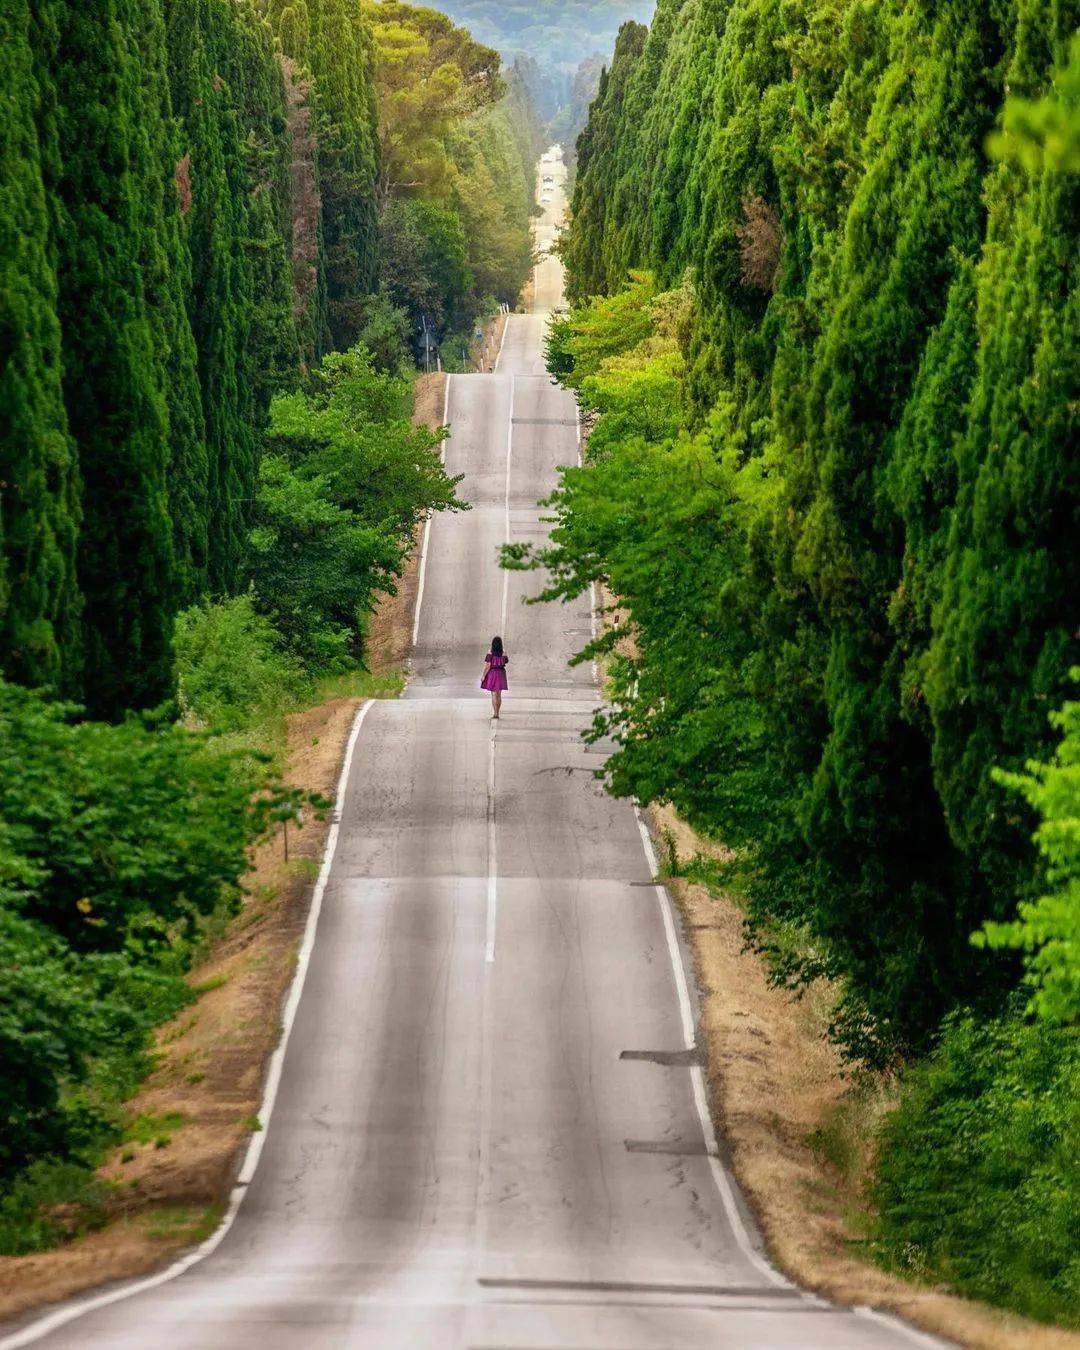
496	646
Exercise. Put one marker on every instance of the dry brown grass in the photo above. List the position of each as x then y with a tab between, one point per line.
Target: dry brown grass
774	1081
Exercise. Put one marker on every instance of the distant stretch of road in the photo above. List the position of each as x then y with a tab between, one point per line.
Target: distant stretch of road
489	1125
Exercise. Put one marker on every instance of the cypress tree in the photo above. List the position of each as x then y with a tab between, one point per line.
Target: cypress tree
253	69
166	273
39	508
103	179
1005	625
883	350
328	39
221	297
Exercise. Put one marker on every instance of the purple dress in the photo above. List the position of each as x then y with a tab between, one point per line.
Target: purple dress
496	676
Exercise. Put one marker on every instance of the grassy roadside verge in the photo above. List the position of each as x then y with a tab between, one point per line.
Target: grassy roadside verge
798	1132
164	1185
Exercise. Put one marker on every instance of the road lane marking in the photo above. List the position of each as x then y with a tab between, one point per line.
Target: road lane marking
45	1325
697	1077
506	508
592	584
493	878
897	1324
427	522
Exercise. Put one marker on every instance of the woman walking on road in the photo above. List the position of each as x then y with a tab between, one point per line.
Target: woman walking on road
494	679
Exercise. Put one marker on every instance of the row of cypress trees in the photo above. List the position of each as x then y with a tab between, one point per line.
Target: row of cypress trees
188	220
884	349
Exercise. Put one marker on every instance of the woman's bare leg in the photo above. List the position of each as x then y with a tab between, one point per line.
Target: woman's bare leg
496	700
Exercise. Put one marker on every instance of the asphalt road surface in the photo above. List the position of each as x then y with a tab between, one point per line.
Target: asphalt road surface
488	1129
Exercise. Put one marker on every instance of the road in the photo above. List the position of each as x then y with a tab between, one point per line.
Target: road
488	1126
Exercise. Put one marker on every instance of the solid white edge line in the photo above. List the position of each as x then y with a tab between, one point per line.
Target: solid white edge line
62	1316
897	1324
502	343
427	524
719	1173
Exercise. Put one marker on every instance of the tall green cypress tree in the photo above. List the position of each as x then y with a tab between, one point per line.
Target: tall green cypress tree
39	510
252	67
229	97
895	383
221	298
1005	624
105	169
166	272
340	60
328	39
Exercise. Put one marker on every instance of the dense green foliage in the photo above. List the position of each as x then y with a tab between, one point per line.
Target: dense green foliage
231	669
979	1177
116	842
193	219
882	353
831	477
327	41
39	509
1048	929
339	494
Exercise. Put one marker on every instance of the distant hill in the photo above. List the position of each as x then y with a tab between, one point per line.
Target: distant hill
557	34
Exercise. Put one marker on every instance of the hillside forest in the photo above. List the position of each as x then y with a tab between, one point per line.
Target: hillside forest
223	226
558	51
824	330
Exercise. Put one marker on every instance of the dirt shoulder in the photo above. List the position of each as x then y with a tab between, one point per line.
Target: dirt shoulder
195	1112
775	1083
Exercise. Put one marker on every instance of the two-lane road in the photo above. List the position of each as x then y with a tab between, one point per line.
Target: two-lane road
489	1126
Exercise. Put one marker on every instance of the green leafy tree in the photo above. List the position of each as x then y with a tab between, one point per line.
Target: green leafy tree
425	260
315	569
338	502
1048	929
429	75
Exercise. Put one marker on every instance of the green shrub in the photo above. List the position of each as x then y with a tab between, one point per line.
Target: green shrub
978	1178
230	669
126	835
116	844
49	1201
73	1034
